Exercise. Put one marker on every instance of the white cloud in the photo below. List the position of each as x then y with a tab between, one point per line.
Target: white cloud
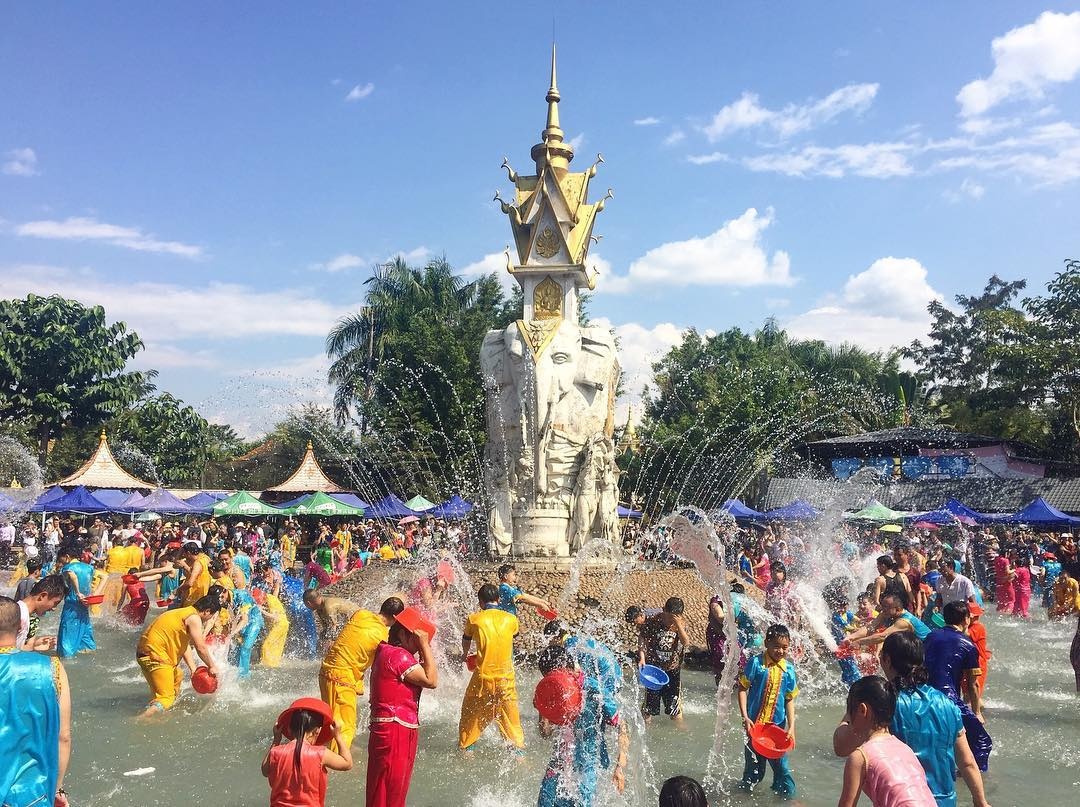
20	163
649	121
676	137
881	307
1026	60
492	262
417	255
89	229
577	141
777	302
346	260
873	160
748	113
157	355
969	189
360	92
707	159
167	312
731	256
983	127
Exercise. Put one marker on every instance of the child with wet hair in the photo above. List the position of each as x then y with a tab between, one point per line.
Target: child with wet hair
297	770
882	767
682	791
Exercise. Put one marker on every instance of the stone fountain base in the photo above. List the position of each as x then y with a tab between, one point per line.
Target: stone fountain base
601	590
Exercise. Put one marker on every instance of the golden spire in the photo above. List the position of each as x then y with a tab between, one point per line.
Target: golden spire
552	150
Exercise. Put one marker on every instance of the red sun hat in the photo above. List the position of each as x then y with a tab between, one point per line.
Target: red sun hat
312	705
412	619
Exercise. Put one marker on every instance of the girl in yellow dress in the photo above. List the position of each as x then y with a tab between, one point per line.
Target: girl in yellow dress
273	645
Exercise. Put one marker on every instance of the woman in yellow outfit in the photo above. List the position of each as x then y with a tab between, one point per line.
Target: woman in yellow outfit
341	677
491	693
273	645
197	574
169	639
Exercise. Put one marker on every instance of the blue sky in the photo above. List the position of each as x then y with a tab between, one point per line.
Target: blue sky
224	176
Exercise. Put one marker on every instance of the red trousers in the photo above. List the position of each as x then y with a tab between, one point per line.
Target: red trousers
391	754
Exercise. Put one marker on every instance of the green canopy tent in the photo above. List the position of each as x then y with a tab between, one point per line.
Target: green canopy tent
876	511
322	504
419	504
243	503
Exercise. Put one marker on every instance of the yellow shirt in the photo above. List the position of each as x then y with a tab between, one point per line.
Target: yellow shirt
201	584
1066	596
275	607
354	648
493	632
166	640
136	557
116	560
386	552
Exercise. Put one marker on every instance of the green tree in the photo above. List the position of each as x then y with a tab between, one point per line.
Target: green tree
62	365
173	435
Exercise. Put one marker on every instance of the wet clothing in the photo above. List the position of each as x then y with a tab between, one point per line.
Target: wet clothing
293	787
199	585
716	640
893	776
76	634
341	677
1003	584
579	751
29	742
491	693
508	597
894	585
928	722
949	654
840	625
1022	592
250	633
395	721
917	625
273	646
134	611
159	652
770	687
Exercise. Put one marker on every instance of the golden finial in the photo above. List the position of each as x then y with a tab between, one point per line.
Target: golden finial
101	439
309	446
552	150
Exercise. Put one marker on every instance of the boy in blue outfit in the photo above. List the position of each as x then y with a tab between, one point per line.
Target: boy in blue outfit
510	595
767	692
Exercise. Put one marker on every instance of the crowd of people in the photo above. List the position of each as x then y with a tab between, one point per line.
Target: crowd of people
911	647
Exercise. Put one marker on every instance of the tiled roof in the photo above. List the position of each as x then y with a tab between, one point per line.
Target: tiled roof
308	478
103	471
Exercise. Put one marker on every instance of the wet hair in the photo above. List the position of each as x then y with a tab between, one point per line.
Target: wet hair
778	567
487	593
736	588
682	791
10	616
221	594
216	566
53	585
300	723
632	613
391	606
674	606
556	627
887	561
192	547
777	631
33	565
208	602
311	595
956	612
878	695
905	653
554	657
505	569
894	597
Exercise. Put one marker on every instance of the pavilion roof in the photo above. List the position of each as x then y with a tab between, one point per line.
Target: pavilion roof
103	471
308	477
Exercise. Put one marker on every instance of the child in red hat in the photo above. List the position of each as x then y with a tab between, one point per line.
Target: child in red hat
297	769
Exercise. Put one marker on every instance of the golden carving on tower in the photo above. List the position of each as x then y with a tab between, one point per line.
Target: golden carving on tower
547	300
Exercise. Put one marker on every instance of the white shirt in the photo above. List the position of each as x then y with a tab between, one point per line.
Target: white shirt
7	534
24	625
960	590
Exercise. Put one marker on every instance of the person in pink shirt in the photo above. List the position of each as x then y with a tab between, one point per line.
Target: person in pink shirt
881	766
1021	586
1003	589
397	679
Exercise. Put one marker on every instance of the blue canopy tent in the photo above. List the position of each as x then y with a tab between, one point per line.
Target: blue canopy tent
942	518
206	498
47	496
389	507
797	510
1039	512
79	500
627	512
111	496
958	508
351	499
130	504
454	507
739	510
162	501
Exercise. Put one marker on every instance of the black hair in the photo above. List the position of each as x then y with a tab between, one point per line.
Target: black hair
554	657
396	631
301	722
905	653
887	561
878	695
52	584
209	602
215	566
33	565
778	566
391	606
894	597
192	546
682	791
777	631
505	569
956	612
488	593
736	588
221	594
632	613
675	606
556	627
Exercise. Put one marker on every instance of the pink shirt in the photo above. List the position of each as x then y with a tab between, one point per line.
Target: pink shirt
894	777
393	700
